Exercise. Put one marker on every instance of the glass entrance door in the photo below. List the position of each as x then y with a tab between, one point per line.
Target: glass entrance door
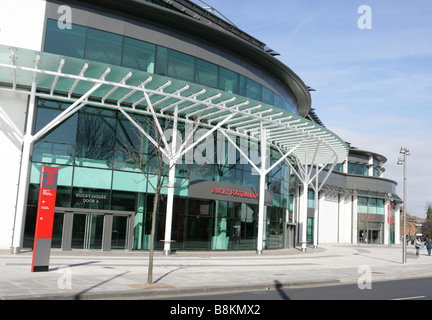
87	231
119	233
96	229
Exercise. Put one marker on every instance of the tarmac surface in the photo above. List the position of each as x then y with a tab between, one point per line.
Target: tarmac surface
90	275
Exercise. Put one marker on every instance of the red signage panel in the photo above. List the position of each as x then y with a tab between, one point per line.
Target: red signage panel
45	219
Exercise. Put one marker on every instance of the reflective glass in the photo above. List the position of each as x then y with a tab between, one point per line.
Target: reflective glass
54	153
207	73
139	55
94	157
162	61
253	90
119	232
67	42
123	201
229	81
267	96
181	66
48	111
103	46
92	178
97	128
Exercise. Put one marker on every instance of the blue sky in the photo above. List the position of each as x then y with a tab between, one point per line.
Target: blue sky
373	86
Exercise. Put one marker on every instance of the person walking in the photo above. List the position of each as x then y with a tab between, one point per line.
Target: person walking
417	245
429	246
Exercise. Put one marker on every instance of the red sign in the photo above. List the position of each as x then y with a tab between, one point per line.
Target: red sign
235	193
389	212
45	219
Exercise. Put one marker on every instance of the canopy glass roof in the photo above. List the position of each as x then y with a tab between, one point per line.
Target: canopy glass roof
70	78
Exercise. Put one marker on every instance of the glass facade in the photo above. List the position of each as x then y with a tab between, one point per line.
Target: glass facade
370	219
102	46
96	151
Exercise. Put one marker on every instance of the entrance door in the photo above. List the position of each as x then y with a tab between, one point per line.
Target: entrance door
119	233
87	231
96	230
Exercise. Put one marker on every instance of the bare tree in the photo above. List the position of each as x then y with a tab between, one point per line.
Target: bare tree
151	159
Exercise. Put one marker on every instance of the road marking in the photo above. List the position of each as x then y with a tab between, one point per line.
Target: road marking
410	298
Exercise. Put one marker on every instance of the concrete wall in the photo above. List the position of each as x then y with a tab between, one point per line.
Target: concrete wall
15	107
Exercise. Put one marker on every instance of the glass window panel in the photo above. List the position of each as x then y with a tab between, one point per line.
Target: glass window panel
380	206
128	181
48	111
139	55
207	73
63	198
104	46
123	201
372	205
362	204
229	81
242	86
267	96
181	66
253	90
97	128
94	157
162	61
54	153
92	178
67	42
278	102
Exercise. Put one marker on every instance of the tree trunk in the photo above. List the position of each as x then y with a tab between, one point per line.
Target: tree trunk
153	227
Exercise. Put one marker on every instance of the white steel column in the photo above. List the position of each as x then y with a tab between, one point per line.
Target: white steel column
397	224
303	215
24	175
261	206
171	181
316	209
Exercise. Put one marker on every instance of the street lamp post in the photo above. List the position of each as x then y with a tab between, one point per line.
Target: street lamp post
403	162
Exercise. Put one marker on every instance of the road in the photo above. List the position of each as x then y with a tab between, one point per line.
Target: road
409	289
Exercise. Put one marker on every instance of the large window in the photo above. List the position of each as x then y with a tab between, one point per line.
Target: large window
181	66
207	73
370	205
68	42
139	55
102	46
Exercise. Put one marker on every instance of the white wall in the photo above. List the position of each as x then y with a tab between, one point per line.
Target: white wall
328	219
22	23
345	219
15	106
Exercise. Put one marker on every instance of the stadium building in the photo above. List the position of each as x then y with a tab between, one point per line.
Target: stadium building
118	93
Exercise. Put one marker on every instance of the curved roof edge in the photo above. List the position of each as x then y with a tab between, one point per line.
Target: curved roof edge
139	9
380	157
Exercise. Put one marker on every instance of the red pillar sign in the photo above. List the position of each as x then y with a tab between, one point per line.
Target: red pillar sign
389	217
45	219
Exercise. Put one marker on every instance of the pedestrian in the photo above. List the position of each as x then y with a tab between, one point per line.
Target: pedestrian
417	245
429	246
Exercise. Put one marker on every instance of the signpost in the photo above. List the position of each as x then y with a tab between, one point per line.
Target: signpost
45	219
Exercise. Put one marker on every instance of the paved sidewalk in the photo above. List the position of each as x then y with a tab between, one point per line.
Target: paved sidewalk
120	275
